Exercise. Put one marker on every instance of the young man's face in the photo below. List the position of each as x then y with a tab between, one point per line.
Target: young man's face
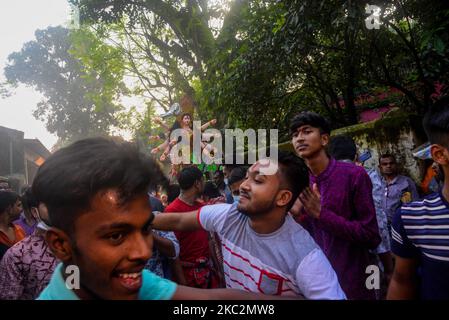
308	141
227	171
16	209
218	178
388	166
258	192
199	186
112	245
235	187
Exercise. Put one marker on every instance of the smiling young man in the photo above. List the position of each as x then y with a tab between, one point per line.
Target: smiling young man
420	229
264	249
96	192
338	205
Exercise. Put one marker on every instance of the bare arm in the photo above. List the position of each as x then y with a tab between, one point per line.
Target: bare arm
404	283
189	293
173	221
177	273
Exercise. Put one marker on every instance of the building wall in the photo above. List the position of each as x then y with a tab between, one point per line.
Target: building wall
12	138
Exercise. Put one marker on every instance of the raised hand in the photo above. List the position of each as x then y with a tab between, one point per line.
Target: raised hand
311	200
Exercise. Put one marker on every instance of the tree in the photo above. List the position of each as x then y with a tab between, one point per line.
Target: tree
168	43
271	59
80	95
319	55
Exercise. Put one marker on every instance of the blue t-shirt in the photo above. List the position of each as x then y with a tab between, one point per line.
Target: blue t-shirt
420	231
153	287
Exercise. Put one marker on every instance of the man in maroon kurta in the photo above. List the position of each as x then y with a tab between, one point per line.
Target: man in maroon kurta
338	207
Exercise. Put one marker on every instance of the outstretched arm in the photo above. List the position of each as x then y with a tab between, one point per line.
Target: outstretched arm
173	221
189	293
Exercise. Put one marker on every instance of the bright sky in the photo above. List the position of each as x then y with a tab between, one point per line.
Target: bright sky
19	19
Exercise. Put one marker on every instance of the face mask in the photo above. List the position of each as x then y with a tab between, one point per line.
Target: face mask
226	181
236	198
43	226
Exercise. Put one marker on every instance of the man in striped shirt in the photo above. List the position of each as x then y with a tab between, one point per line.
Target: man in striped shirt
420	229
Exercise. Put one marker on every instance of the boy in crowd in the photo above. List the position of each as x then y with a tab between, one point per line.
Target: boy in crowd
27	220
194	251
420	229
10	208
264	249
397	189
338	208
236	179
343	148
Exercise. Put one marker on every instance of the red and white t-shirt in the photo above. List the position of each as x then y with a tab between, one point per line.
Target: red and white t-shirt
285	262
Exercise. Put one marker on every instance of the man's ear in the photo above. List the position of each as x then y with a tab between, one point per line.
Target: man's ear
325	139
439	154
283	198
59	244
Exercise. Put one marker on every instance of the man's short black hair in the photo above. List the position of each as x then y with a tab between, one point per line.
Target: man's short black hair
312	119
237	174
7	199
69	179
387	155
211	190
294	172
29	200
342	147
436	123
188	176
173	191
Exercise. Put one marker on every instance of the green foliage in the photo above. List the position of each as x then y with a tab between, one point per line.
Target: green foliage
79	76
318	55
271	59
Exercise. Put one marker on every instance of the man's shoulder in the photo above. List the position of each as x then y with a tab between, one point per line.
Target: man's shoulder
229	209
349	168
297	232
180	206
408	180
155	288
19	248
156	204
173	206
431	205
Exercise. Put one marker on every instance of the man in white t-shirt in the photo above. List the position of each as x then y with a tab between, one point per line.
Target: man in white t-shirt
264	249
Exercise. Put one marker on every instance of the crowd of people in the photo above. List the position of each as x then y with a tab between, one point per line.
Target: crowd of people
312	230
